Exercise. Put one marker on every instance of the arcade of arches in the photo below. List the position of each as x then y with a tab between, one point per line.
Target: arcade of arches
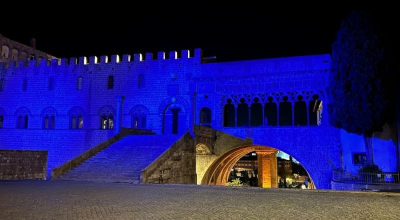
268	110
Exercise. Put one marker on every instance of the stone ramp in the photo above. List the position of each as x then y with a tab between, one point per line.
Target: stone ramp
122	161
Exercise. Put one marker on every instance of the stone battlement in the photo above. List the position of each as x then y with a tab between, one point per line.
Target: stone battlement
138	57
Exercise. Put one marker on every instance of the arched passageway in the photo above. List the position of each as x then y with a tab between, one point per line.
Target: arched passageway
219	171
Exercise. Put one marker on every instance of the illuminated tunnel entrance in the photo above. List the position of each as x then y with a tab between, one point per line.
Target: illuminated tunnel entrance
219	171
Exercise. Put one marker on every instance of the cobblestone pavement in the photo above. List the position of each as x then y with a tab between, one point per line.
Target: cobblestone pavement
88	200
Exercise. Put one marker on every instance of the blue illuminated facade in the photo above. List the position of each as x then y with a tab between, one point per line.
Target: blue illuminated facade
67	106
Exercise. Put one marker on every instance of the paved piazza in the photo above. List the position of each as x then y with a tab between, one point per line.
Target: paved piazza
88	200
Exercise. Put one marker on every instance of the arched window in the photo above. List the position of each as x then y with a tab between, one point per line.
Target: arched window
315	110
5	51
107	121
243	113
205	117
22	115
106	114
76	118
139	116
48	118
14	54
270	113
229	114
24	56
256	113
285	112
300	112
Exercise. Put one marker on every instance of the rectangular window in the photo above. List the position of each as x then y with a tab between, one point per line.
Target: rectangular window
79	83
1	84
1	121
51	83
359	158
25	85
110	82
141	81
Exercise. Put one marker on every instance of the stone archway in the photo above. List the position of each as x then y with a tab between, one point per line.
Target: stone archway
218	172
173	111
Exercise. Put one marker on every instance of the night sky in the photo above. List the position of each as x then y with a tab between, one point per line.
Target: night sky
227	34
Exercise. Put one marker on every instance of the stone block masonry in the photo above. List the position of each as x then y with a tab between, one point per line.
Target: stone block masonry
23	165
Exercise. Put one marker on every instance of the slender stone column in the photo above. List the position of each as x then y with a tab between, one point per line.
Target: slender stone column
118	121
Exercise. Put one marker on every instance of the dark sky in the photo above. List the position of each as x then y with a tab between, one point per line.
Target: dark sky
73	31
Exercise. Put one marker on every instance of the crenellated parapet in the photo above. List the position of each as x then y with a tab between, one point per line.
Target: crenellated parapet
184	55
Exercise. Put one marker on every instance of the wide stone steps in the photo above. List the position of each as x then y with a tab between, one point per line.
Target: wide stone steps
122	161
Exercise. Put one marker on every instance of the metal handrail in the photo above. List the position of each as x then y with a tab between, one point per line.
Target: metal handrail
383	178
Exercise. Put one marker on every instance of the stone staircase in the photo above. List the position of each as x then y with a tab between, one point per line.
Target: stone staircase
122	161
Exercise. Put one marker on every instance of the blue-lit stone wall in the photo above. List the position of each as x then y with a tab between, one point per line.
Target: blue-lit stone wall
152	85
163	84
